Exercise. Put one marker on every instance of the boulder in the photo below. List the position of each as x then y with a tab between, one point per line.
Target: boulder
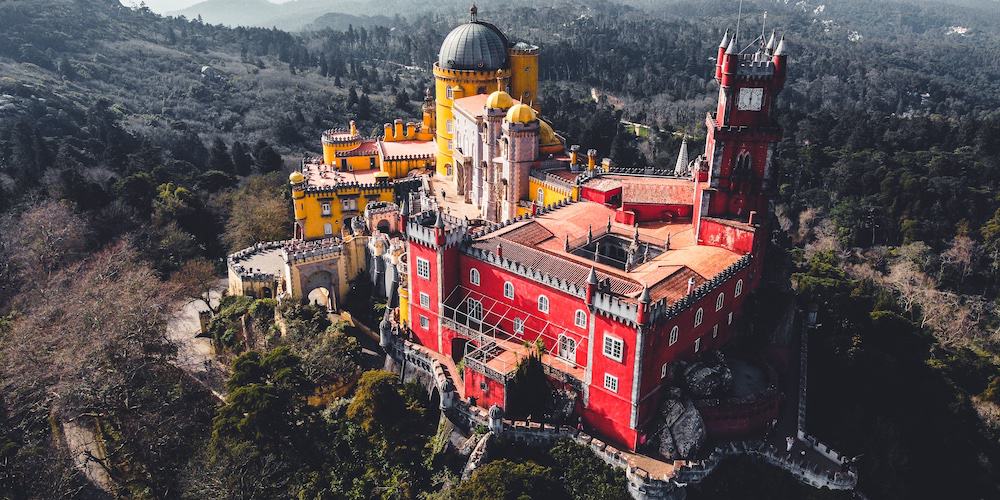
683	431
709	378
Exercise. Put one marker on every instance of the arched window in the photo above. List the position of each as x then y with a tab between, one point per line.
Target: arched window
674	332
567	348
739	287
474	276
580	319
518	325
719	301
540	196
543	304
508	290
698	316
475	310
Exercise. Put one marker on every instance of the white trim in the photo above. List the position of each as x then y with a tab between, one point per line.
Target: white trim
508	286
674	334
580	318
739	287
699	316
425	272
610	344
425	300
720	301
474	276
543	300
611	382
425	323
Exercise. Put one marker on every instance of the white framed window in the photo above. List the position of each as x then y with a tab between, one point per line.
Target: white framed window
518	325
715	331
475	310
350	204
425	323
610	382
326	207
449	93
699	315
474	276
567	348
730	318
580	318
739	288
423	268
508	289
328	229
720	301
540	196
450	125
425	300
614	347
663	371
674	333
543	304
697	344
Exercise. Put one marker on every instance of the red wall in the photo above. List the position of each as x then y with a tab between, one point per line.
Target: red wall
717	234
426	337
592	194
493	395
654	212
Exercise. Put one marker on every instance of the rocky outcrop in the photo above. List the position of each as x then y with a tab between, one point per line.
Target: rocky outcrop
710	377
683	432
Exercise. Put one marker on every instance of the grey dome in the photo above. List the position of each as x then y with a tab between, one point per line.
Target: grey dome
474	46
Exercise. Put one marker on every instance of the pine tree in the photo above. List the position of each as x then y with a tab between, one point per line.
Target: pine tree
242	162
219	158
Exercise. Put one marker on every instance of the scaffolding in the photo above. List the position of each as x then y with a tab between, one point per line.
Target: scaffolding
496	328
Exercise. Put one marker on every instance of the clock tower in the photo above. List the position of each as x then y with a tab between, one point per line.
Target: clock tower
733	180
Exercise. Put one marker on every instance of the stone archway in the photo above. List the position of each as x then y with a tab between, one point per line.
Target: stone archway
318	288
458	346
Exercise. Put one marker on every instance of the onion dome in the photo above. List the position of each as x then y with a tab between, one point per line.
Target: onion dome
296	177
521	113
474	46
547	136
499	100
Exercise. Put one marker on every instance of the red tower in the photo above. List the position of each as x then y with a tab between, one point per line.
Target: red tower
734	177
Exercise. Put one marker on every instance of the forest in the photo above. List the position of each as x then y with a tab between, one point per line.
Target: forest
137	150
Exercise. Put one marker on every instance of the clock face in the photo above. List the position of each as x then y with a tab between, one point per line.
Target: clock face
750	99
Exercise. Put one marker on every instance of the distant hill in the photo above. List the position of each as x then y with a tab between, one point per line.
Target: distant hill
297	14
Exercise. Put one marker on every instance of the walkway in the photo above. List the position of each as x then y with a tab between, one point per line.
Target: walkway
195	355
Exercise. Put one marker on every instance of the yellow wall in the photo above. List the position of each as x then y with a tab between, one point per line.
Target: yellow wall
363	162
404	306
330	150
309	208
400	168
524	77
471	83
553	194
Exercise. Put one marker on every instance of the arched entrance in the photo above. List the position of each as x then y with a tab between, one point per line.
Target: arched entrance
383	226
318	288
458	345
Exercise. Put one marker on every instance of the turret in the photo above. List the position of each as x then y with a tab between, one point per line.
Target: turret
640	313
682	158
354	128
573	153
722	54
439	229
591	159
730	63
769	48
591	285
398	128
780	60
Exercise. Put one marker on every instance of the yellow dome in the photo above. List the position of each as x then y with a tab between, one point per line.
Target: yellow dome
547	136
296	177
499	100
521	113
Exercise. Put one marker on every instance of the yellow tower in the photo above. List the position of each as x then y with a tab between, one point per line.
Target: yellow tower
298	182
468	62
524	74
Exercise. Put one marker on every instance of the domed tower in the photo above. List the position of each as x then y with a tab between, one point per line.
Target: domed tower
468	64
519	150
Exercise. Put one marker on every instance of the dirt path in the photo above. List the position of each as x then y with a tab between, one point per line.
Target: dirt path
195	355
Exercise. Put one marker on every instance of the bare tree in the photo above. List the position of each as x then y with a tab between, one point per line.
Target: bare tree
196	279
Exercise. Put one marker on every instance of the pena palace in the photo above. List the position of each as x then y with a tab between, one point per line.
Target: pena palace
492	240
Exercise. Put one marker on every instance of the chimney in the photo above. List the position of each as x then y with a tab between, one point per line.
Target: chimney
500	250
387	131
690	285
606	164
753	214
411	130
591	159
573	154
398	132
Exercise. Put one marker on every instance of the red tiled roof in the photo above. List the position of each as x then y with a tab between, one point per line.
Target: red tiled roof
603	185
529	234
367	148
642	190
402	149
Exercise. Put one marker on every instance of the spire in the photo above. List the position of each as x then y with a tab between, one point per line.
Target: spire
780	51
440	220
770	43
592	277
732	46
725	40
473	13
682	158
644	297
405	212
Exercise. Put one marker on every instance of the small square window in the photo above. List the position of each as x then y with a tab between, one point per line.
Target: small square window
328	229
326	208
610	382
425	300
423	268
425	323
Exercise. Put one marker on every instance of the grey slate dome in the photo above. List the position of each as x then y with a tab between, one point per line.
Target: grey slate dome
474	46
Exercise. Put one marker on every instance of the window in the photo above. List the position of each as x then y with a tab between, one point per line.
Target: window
663	371
518	325
699	315
449	93
567	348
697	344
450	125
425	323
719	301
540	196
328	229
508	290
350	204
614	347
543	304
474	276
580	319
475	310
739	288
610	382
423	268
730	319
343	164
674	332
715	331
326	208
425	300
